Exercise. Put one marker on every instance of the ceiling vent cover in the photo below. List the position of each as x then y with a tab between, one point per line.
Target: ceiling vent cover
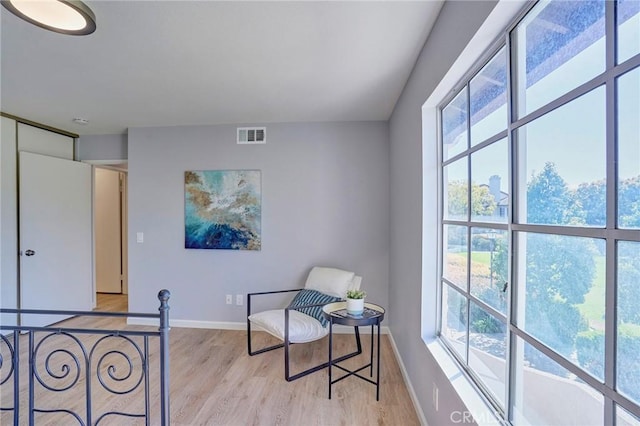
252	135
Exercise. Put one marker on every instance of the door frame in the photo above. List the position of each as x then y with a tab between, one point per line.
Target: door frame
119	166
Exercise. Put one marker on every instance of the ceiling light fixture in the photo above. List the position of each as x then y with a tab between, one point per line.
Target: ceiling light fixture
61	16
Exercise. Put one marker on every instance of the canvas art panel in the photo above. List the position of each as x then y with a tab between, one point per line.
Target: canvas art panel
223	209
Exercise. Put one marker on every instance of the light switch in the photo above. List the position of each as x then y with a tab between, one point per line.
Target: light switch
139	237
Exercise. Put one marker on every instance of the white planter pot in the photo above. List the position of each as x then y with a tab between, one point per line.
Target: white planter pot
355	306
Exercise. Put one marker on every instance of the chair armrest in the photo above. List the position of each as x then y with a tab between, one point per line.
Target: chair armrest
273	292
262	293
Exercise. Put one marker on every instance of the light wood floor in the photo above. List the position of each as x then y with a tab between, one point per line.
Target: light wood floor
215	382
108	302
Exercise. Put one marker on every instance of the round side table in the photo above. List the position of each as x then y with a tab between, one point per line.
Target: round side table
373	315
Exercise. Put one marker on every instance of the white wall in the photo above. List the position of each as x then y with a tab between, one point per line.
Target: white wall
457	23
325	201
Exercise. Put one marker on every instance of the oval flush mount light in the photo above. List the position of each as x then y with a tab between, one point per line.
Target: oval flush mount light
60	16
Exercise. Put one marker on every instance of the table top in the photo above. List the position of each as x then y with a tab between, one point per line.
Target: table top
337	313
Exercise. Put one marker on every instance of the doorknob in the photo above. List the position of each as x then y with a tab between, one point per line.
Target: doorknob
29	252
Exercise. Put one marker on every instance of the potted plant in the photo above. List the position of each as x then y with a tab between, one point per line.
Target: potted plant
355	301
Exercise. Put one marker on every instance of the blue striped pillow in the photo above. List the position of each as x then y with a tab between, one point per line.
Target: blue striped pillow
312	297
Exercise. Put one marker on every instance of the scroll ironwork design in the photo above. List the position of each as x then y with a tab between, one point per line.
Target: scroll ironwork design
6	368
112	369
50	363
83	364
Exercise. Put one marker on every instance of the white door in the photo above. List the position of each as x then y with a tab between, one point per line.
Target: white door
108	231
55	236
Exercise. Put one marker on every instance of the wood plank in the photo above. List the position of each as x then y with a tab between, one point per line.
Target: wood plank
215	382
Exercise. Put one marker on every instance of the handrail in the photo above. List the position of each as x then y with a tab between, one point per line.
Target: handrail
77	313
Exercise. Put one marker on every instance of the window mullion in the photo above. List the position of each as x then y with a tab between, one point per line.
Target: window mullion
469	214
610	328
510	364
610	333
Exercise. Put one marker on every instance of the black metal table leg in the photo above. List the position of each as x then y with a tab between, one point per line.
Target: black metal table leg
371	356
378	367
336	313
330	352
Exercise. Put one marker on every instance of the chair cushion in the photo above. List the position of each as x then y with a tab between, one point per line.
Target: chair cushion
355	284
302	327
312	297
331	281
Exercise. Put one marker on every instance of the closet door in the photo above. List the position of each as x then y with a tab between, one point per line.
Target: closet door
40	141
8	221
55	236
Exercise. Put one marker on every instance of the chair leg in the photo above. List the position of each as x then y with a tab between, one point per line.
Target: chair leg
259	351
248	332
286	358
290	378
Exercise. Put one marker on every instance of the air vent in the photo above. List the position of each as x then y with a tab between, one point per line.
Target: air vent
252	135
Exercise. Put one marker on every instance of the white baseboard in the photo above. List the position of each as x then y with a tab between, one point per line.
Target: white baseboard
222	325
407	382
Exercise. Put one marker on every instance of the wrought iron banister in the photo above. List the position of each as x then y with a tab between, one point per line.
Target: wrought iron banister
84	361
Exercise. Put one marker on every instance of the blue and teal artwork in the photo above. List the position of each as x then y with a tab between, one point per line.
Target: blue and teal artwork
222	209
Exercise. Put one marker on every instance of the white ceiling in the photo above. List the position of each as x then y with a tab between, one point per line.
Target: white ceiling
160	63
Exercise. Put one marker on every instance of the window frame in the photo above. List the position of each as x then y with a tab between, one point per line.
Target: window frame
610	233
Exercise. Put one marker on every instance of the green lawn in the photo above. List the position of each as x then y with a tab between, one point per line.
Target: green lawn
593	306
483	257
594	302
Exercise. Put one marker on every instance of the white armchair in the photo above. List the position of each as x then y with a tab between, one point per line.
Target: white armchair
302	321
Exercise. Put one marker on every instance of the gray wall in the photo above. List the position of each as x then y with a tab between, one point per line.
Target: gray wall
102	147
325	201
457	23
342	194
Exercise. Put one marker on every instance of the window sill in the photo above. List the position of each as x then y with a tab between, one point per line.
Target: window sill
477	408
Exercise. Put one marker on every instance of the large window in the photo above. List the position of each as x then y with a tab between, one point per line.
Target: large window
540	236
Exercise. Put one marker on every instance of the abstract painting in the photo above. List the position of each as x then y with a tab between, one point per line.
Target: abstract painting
222	209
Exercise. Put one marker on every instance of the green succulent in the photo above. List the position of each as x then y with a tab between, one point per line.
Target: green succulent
356	294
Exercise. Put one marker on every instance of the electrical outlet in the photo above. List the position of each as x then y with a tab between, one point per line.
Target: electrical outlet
229	299
239	299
